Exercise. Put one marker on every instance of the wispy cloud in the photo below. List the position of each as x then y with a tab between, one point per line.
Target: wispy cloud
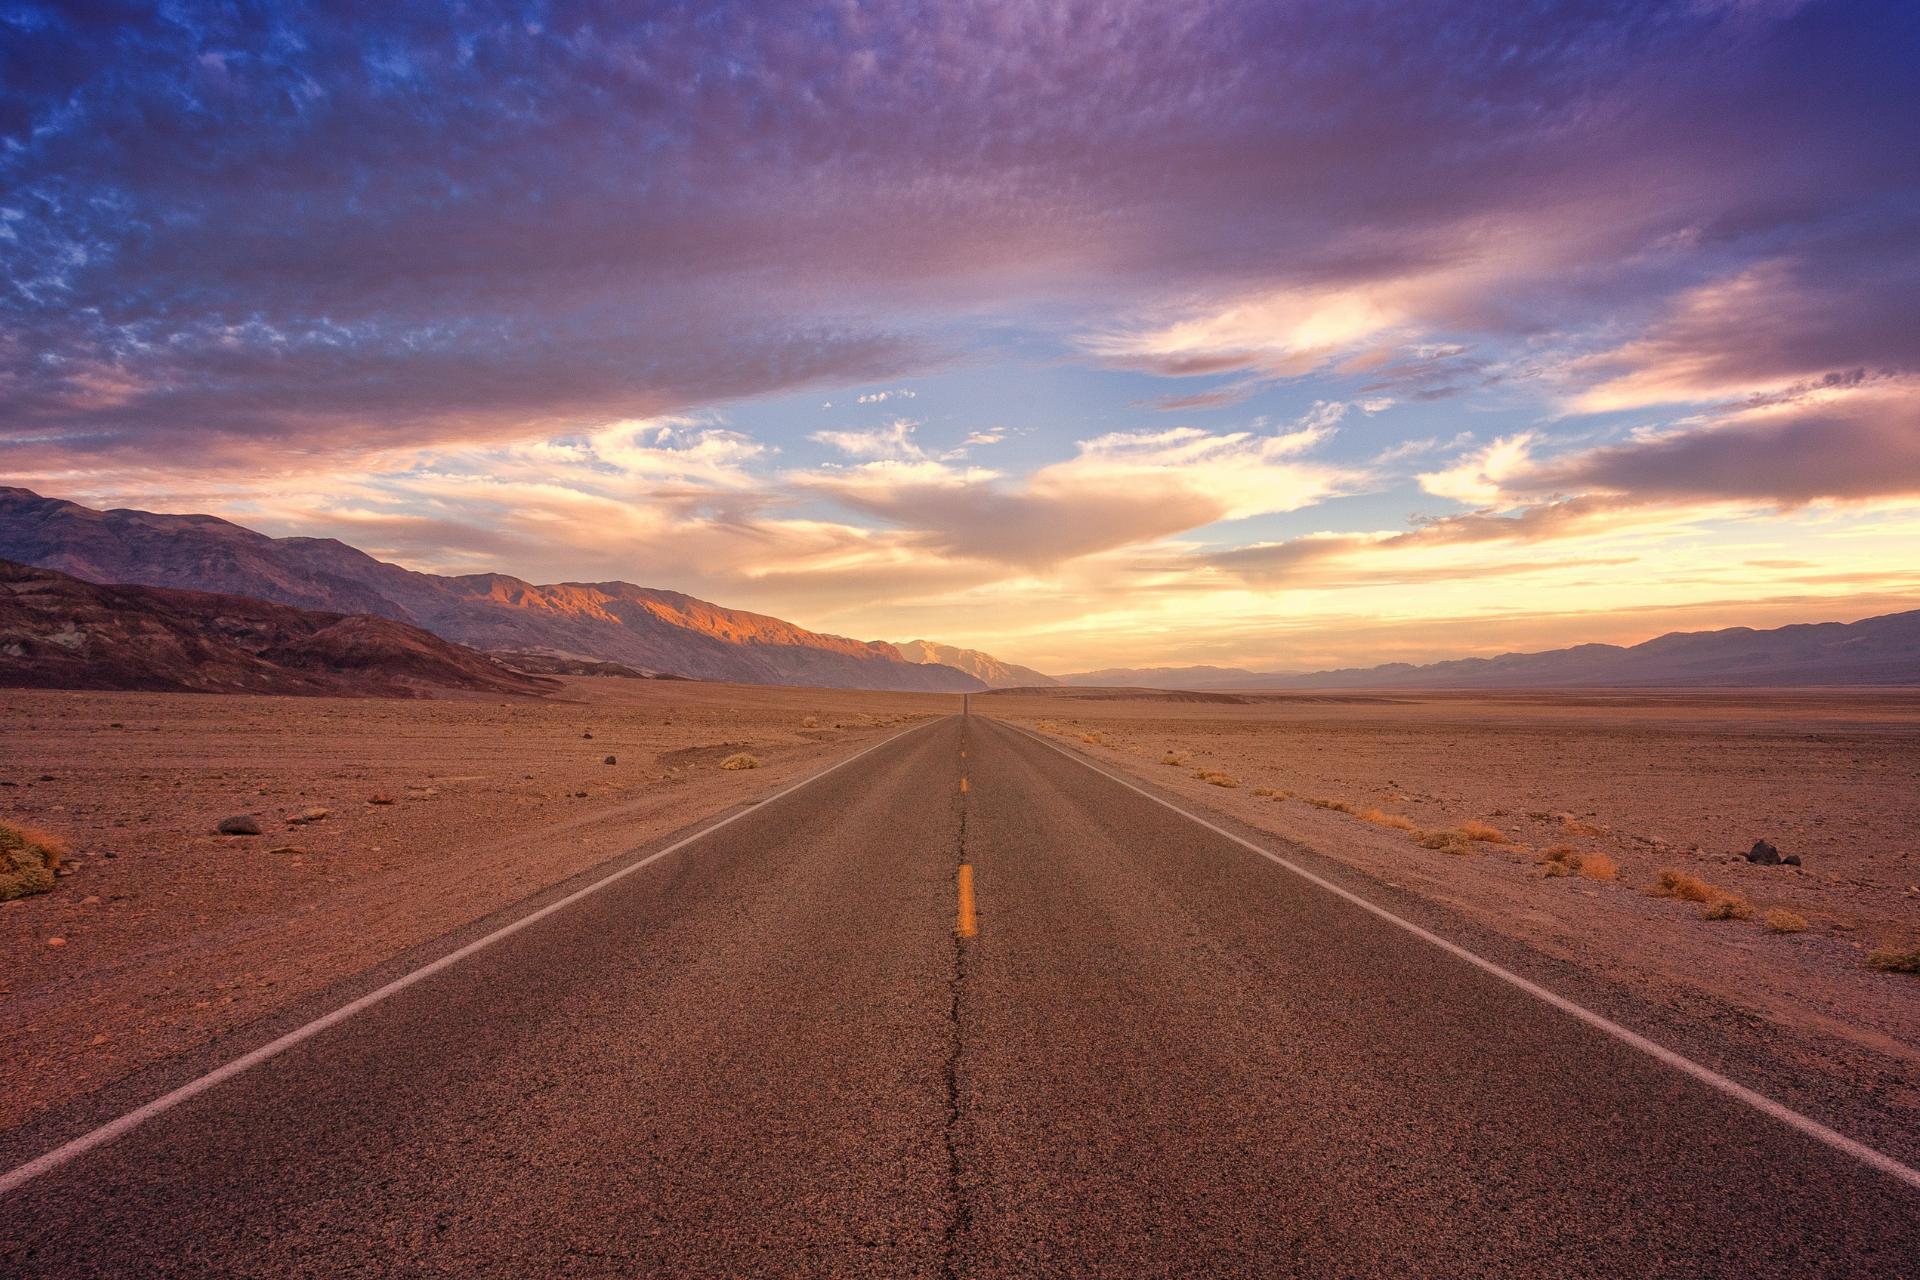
894	440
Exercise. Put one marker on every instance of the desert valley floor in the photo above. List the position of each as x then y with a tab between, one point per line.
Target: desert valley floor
167	935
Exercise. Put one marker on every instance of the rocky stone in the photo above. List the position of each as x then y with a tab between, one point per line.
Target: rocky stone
239	825
379	797
1763	854
611	760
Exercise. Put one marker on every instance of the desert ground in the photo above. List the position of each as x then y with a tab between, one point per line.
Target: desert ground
1681	781
162	934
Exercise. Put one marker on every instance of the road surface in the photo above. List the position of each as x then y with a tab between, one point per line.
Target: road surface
793	1047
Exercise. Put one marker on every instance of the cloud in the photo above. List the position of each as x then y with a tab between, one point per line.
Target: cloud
1845	443
280	242
1812	316
895	440
1279	335
1419	447
505	289
1428	551
1480	477
1118	490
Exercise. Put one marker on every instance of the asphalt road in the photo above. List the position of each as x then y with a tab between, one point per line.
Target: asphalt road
773	1052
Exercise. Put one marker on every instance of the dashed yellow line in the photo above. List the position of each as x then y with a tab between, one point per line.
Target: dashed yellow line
963	786
964	923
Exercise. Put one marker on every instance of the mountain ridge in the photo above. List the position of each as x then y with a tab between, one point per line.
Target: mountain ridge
651	629
994	672
62	632
1879	650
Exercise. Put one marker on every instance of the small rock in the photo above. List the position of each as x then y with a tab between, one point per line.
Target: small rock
92	899
586	735
239	825
379	797
1790	860
1763	854
610	760
56	942
309	815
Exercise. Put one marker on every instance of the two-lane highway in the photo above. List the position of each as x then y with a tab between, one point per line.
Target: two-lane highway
962	1007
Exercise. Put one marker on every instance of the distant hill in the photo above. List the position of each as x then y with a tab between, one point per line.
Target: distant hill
58	632
649	630
1169	678
982	666
1872	651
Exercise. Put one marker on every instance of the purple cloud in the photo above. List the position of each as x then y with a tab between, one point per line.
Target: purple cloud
278	232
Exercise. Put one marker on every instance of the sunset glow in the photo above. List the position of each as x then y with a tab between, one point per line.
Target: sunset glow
1271	336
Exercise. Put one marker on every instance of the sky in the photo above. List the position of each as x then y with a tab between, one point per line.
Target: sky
1272	335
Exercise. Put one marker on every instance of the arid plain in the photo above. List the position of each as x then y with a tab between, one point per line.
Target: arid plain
438	812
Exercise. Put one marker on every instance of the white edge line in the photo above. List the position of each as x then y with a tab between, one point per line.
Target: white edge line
1706	1075
113	1129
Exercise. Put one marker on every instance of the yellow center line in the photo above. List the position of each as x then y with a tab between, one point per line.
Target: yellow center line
963	786
964	924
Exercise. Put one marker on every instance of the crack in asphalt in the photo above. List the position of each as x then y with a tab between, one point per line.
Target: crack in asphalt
960	1211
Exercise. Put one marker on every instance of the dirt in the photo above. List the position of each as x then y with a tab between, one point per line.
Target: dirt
166	934
1684	780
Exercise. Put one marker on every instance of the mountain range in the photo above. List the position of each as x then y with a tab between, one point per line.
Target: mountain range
59	632
1872	651
641	627
984	667
571	626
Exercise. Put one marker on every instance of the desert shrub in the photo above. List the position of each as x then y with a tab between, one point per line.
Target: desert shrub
1338	806
811	722
1574	827
1273	793
1781	920
1213	777
1379	819
1727	906
1454	842
741	760
1894	959
1481	831
1598	866
1174	757
1669	883
1560	861
28	859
